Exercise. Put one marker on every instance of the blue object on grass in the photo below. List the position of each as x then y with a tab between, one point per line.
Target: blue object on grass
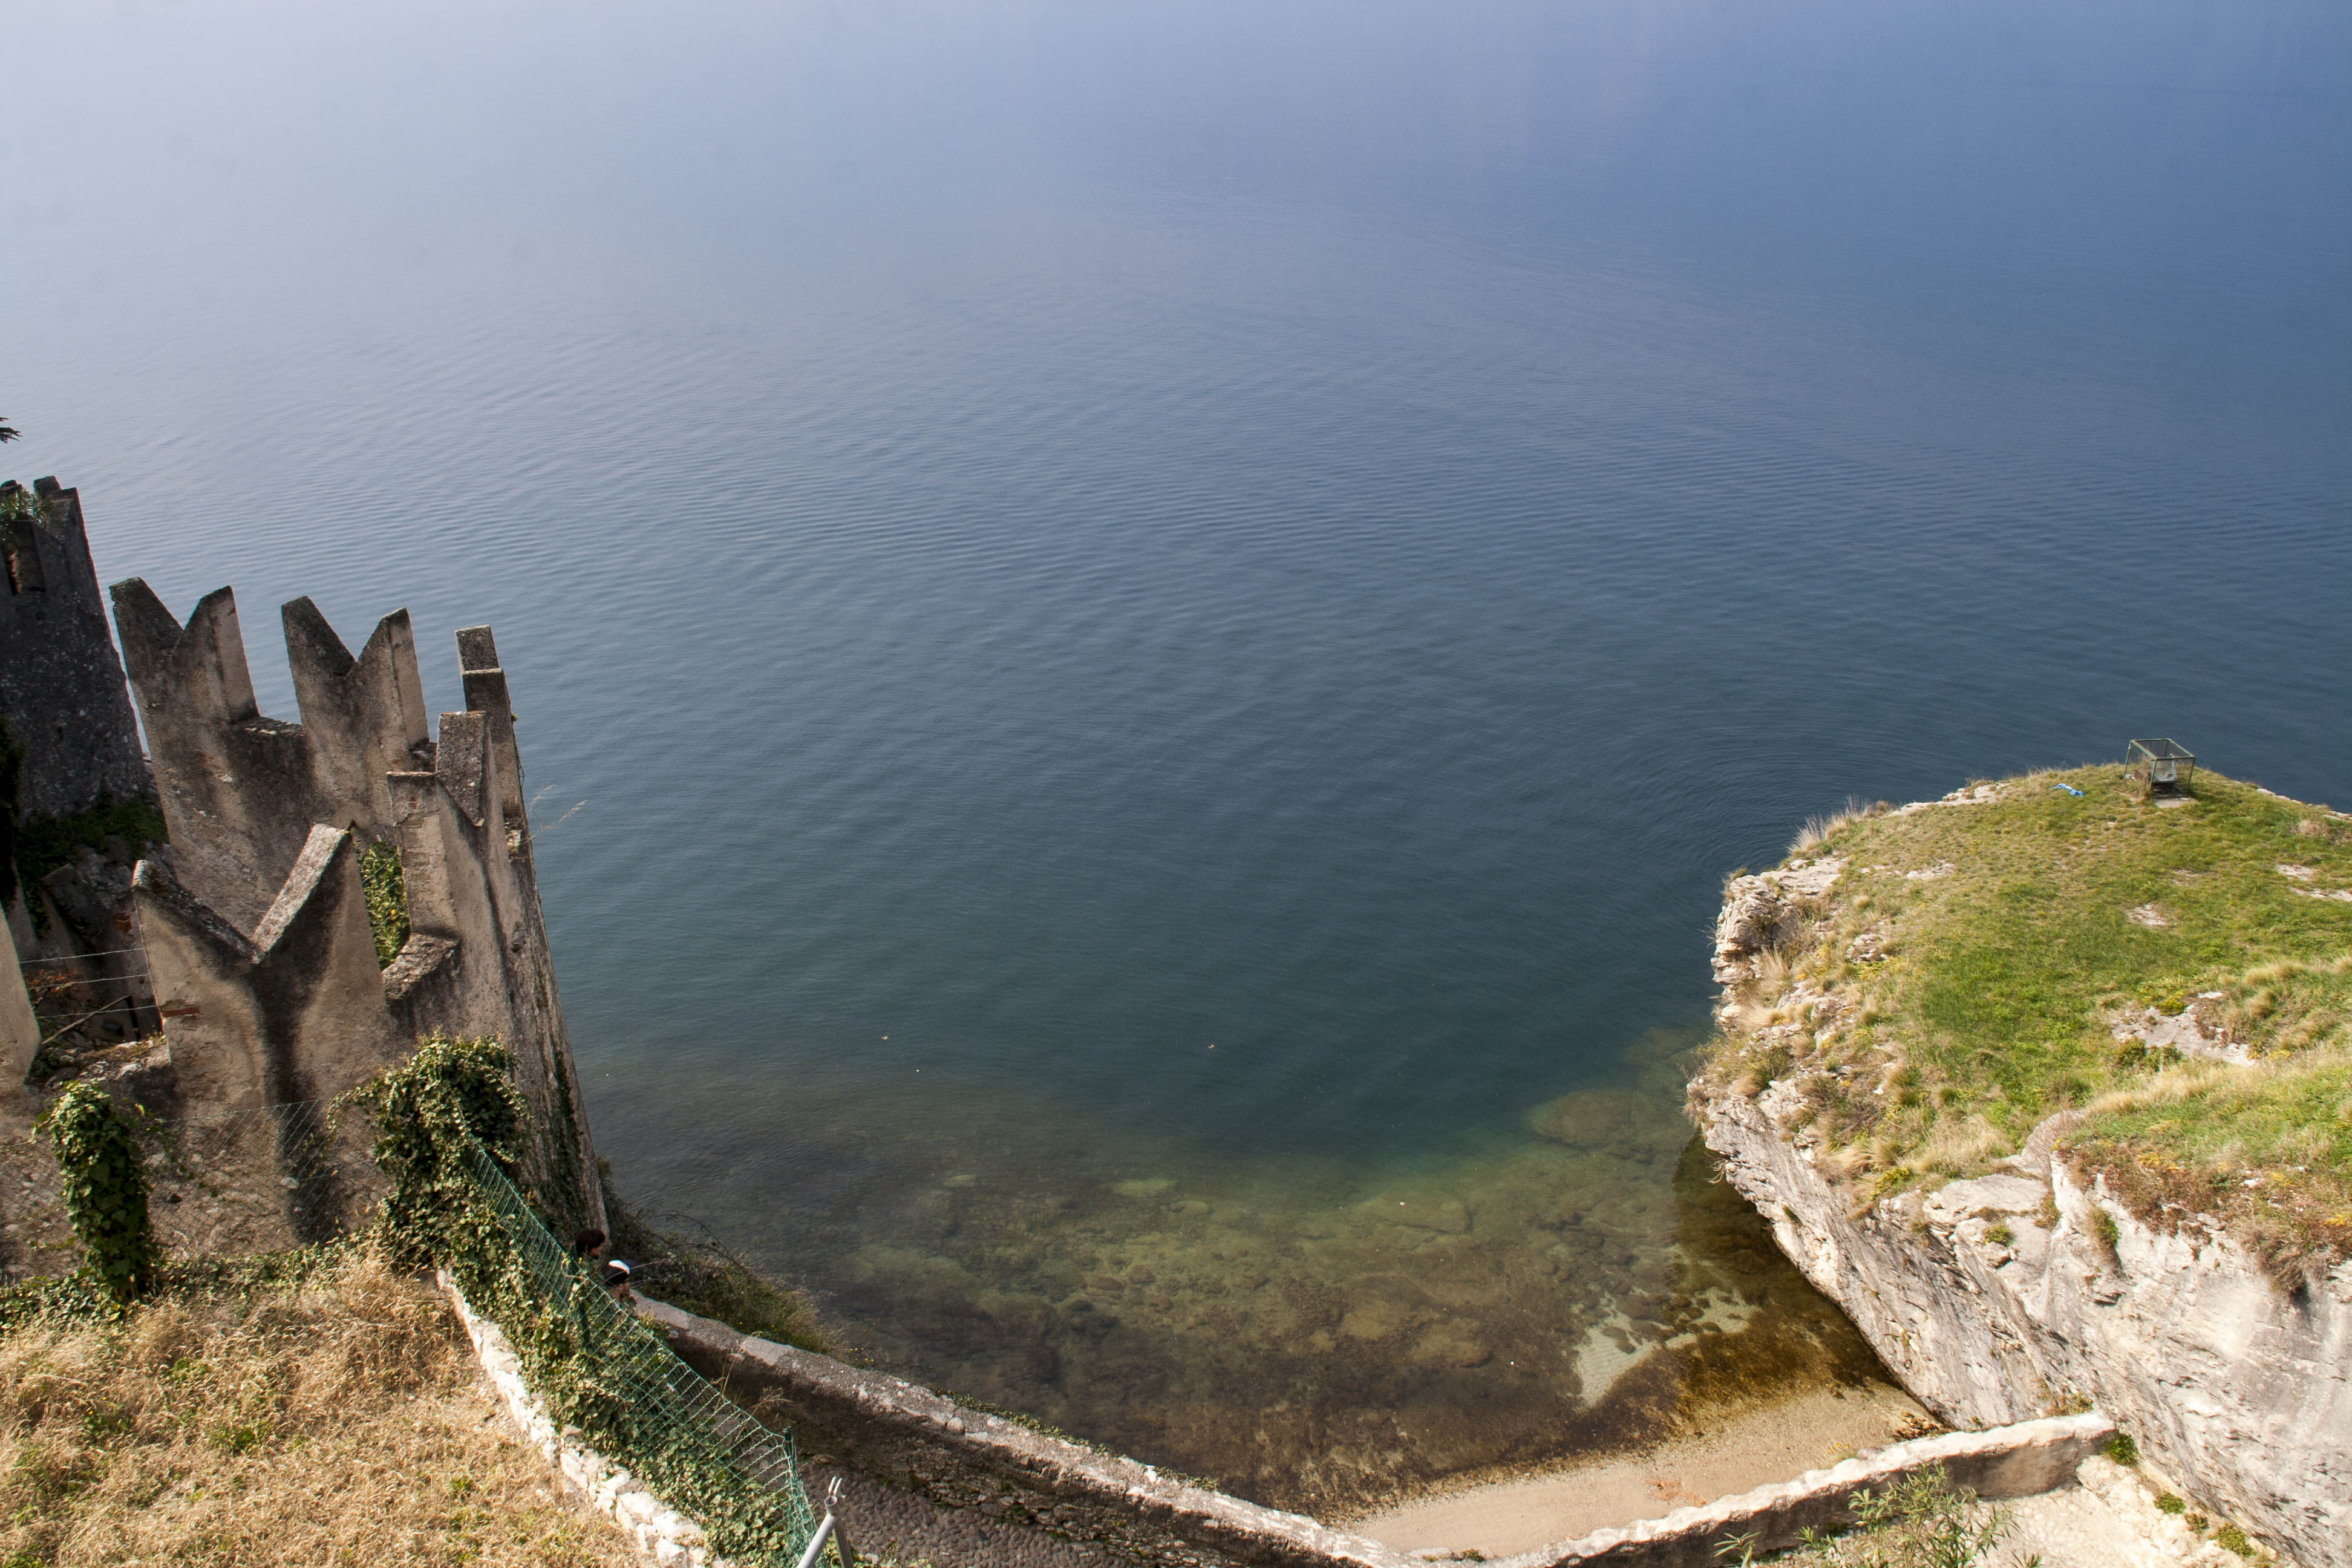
2070	789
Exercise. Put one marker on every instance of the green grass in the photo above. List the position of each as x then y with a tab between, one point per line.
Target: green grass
1993	1006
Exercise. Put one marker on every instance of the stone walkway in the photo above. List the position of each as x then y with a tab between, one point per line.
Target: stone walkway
1751	1449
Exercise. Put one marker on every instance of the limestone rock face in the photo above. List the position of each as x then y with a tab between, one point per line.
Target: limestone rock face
1754	908
2239	1394
2031	1290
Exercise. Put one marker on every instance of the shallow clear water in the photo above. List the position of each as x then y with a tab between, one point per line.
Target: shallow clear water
1167	617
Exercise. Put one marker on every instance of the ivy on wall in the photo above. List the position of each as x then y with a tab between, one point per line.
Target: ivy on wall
105	1191
425	1110
597	1368
450	1131
387	900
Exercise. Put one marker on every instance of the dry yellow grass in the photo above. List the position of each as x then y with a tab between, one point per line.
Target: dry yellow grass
340	1423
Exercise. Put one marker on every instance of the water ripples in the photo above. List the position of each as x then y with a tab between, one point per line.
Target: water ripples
1350	608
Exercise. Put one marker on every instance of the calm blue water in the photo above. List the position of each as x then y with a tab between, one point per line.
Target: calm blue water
1049	537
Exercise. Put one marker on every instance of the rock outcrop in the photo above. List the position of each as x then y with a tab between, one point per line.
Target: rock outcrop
2030	1291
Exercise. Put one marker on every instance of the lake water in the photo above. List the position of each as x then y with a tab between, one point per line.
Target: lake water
1144	631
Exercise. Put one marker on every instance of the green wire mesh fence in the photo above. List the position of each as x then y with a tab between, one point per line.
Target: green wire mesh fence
669	1424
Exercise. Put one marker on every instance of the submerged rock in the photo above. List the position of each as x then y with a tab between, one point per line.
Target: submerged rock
1447	1216
1316	1337
1611	1121
1150	1187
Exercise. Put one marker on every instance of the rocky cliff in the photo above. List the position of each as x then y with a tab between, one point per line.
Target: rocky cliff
2031	1287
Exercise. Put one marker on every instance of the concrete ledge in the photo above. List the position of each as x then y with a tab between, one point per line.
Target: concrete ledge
911	1438
2006	1462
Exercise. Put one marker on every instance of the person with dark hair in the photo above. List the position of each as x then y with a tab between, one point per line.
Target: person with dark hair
588	1243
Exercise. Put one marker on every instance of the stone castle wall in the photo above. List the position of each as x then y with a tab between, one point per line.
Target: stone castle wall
246	942
68	720
61	689
255	924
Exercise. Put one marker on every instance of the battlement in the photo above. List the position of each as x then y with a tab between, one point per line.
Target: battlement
366	715
269	820
255	926
196	671
240	791
293	1011
486	693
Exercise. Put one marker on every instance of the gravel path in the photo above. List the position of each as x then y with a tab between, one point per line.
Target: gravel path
894	1526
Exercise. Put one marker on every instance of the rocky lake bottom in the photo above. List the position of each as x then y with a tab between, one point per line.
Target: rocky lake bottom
1308	1337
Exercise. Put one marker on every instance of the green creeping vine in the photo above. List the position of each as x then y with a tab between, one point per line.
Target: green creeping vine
449	1126
105	1191
387	900
426	1110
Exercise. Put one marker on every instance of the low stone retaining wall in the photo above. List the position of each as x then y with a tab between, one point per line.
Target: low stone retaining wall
958	1458
662	1534
2006	1462
911	1437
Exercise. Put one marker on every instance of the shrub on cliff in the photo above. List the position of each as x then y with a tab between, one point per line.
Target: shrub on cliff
1924	1521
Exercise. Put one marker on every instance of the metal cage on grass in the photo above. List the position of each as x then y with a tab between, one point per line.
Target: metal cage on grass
2160	763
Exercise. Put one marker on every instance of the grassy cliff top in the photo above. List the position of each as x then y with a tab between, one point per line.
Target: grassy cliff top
1935	981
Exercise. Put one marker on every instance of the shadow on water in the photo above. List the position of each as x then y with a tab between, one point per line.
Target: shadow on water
1314	1334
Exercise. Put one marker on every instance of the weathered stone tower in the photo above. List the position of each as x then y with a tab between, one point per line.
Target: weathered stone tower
74	748
61	685
256	924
